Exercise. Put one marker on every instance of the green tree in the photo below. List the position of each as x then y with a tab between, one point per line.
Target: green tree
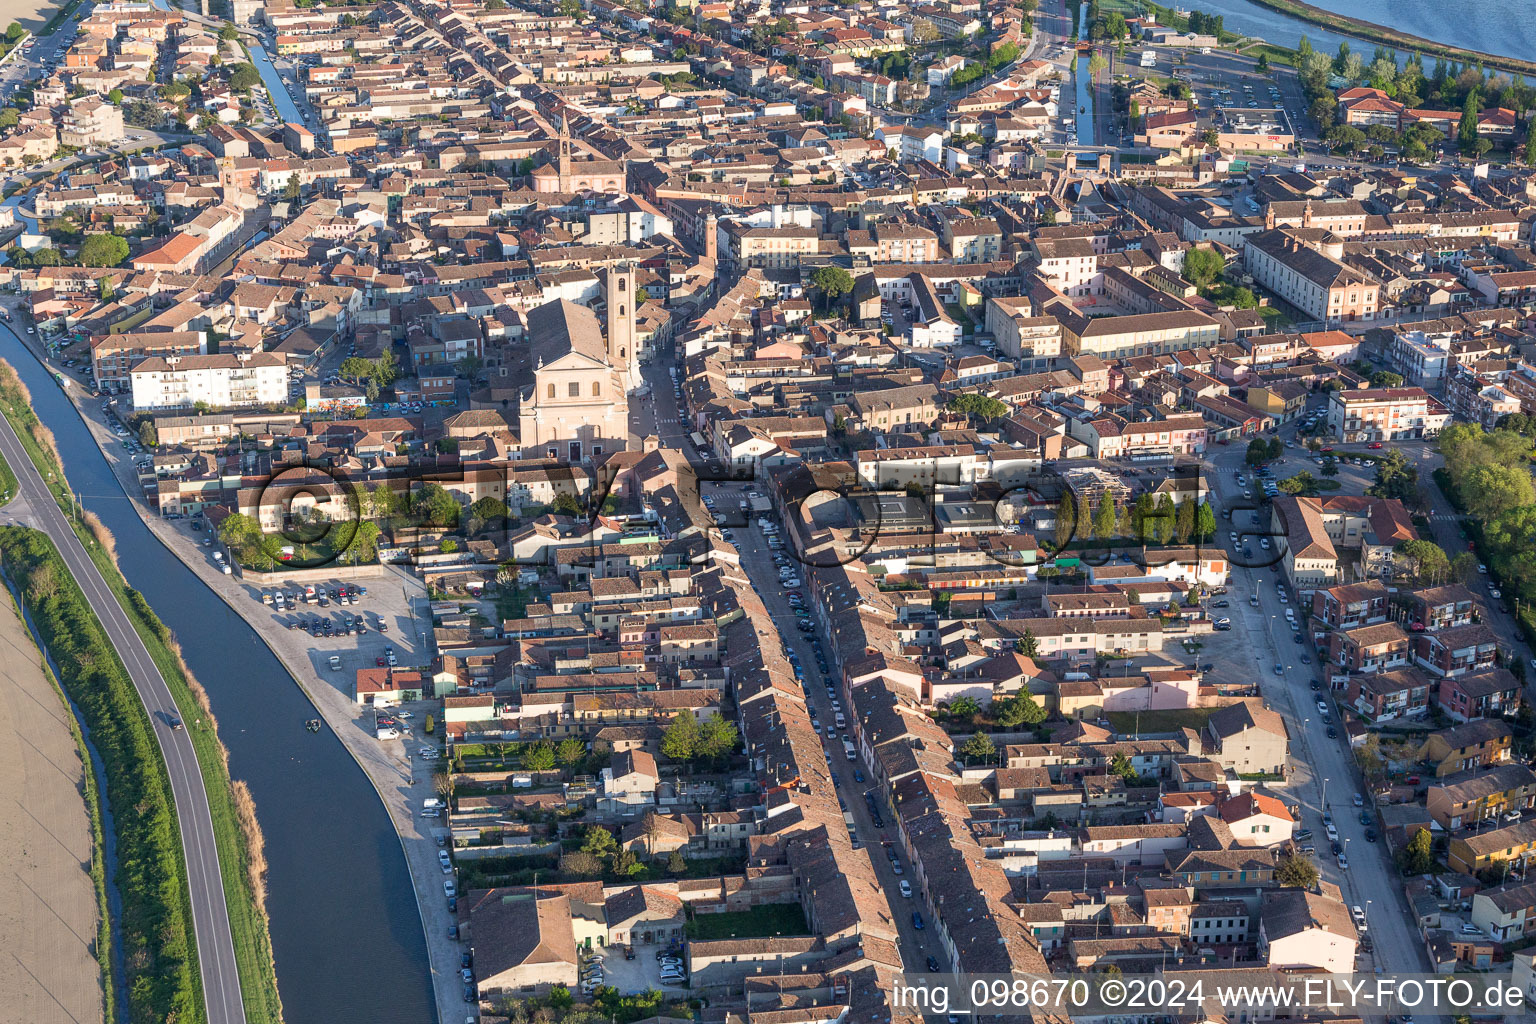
1166	520
680	742
14	32
1418	856
1296	872
565	504
1276	449
435	506
1028	644
832	282
1203	266
1141	517
1301	483
980	406
1258	452
1425	559
1464	567
1466	131
448	546
1205	521
102	251
964	707
1386	379
1066	520
291	193
489	509
539	757
244	77
599	842
717	737
1018	709
1491	490
1097	64
148	437
676	865
1121	765
1184	522
1262	64
1396	477
979	748
570	752
115	97
229	33
1105	518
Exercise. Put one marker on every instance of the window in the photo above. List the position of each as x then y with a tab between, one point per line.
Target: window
573	389
597	388
551	391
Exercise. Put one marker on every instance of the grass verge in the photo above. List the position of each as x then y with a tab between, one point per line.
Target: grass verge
1128	722
158	950
91	792
236	834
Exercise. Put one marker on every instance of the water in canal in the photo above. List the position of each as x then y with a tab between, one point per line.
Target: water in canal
1084	85
346	932
276	90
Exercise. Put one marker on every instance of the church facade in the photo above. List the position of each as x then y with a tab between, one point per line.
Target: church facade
577	407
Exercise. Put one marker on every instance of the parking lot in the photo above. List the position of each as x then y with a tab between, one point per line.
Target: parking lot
637	975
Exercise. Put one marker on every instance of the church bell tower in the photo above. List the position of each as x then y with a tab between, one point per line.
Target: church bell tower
621	325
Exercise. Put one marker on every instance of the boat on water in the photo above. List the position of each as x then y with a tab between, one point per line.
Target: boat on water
313	725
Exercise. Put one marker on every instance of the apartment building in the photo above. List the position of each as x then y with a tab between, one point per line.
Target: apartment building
217	381
1385	414
114	355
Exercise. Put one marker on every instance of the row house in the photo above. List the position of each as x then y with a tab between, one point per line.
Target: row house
1383	696
1456	650
1351	605
1436	608
1479	694
1378	648
1481	796
1465	747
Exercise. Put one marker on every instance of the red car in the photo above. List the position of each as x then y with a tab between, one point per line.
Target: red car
379	662
1374	444
1328	448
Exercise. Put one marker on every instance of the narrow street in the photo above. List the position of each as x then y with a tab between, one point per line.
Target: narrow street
1322	767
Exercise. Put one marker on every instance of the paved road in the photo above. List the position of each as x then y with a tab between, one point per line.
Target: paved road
658	415
1324	778
210	913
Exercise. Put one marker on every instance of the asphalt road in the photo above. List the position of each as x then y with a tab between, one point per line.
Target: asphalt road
1324	777
657	414
210	913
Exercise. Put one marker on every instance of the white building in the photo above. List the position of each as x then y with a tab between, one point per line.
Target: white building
220	381
1303	929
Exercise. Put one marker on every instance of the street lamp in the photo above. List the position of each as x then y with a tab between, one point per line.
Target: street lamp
1325	796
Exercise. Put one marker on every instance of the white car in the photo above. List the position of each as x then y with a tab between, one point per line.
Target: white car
430	753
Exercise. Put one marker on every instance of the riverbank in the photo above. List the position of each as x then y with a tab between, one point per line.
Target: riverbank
51	837
234	835
400	780
1374	33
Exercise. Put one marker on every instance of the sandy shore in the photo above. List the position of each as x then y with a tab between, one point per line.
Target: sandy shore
48	968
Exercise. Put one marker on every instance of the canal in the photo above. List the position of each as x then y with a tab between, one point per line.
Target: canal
276	90
1084	85
346	933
